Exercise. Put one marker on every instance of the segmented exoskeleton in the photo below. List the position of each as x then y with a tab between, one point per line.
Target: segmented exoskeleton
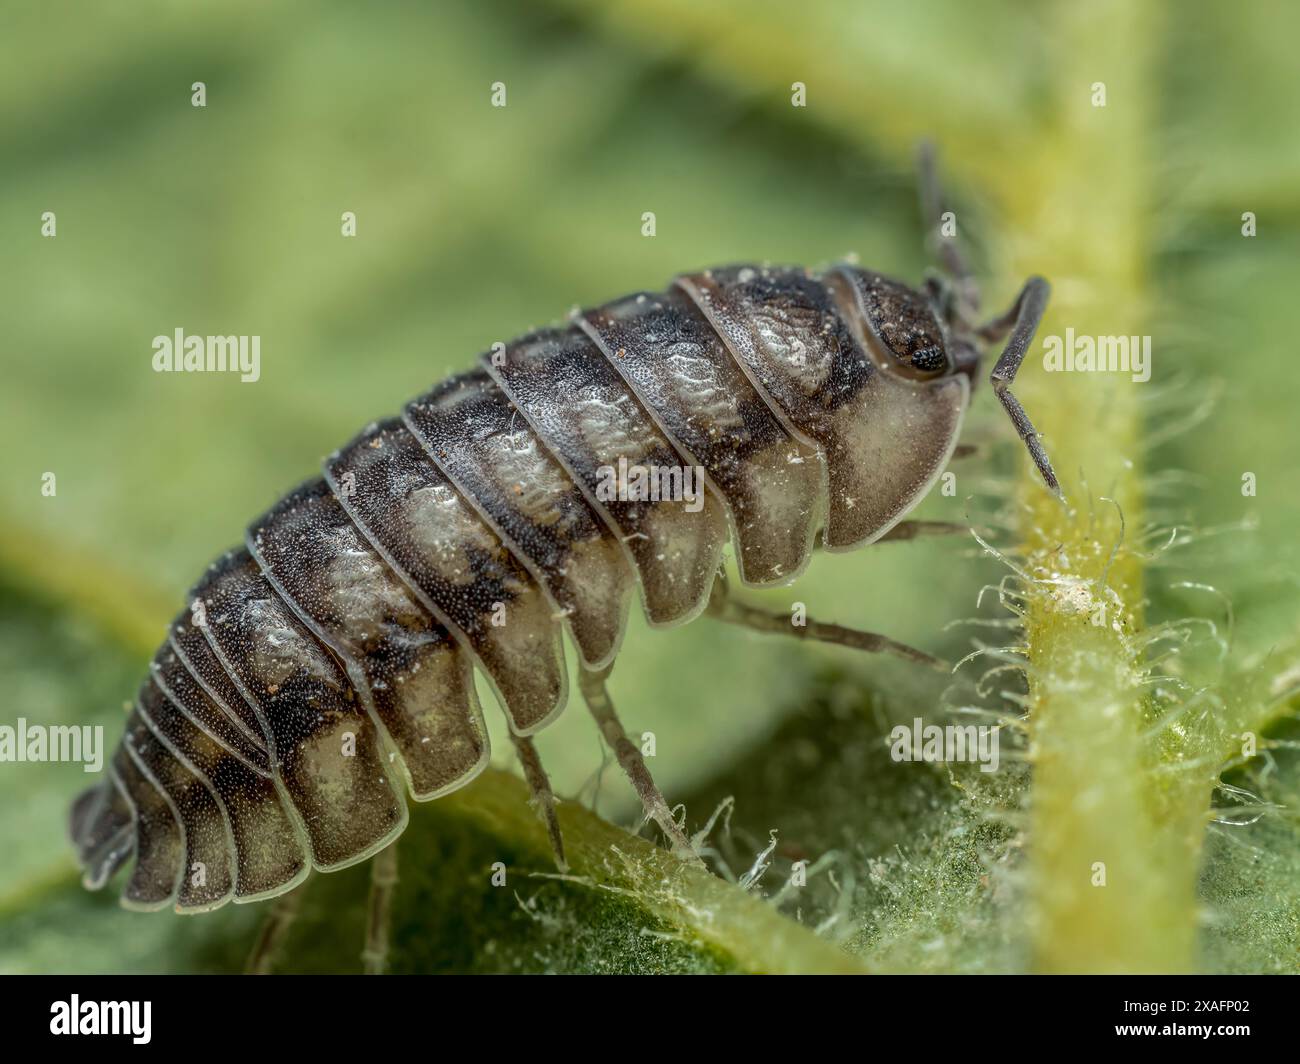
475	528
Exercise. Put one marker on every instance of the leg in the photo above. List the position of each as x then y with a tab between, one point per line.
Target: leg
383	878
905	530
723	607
274	930
596	695
543	800
1026	313
913	529
945	249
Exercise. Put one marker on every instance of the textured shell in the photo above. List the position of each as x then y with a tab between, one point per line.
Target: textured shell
325	668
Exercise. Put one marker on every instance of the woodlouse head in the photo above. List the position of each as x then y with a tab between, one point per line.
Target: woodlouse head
901	327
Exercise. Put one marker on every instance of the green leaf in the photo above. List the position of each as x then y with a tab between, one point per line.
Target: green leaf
477	223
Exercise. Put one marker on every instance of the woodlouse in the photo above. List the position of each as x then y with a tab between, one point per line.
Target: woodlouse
456	536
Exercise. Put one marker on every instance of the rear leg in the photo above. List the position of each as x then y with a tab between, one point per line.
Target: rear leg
596	694
543	798
383	880
725	608
274	930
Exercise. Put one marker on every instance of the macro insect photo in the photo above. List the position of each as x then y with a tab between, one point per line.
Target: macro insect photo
650	488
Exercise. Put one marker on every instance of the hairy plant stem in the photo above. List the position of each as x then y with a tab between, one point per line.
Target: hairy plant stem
1111	888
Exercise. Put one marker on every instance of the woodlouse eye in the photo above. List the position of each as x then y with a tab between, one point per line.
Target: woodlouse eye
929	359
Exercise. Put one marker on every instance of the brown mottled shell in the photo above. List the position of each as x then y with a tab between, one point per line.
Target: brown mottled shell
324	669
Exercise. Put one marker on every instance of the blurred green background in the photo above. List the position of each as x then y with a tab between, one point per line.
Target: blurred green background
475	223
